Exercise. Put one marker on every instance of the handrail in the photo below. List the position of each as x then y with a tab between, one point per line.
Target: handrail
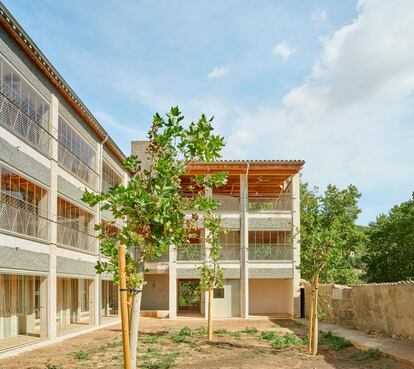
190	252
274	251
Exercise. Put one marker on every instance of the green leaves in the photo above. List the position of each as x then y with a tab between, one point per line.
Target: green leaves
152	202
329	233
390	251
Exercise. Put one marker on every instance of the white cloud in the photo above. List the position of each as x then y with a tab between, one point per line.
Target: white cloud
319	16
283	50
218	72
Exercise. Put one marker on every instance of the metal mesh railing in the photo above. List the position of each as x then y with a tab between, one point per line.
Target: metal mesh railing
227	202
13	118
230	252
76	166
73	234
190	252
271	203
21	217
271	252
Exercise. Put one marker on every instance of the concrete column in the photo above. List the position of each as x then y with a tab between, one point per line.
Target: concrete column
295	189
172	280
244	245
43	307
52	208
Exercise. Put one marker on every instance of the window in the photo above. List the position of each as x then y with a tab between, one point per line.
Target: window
22	95
73	141
75	154
23	205
218	293
110	177
75	226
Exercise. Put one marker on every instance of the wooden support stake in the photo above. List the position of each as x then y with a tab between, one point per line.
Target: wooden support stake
124	307
209	320
315	317
311	302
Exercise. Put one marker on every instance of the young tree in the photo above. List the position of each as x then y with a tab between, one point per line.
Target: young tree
390	250
211	272
328	235
152	202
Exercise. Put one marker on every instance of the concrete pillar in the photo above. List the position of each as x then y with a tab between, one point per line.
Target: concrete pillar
172	280
52	208
295	189
43	307
244	246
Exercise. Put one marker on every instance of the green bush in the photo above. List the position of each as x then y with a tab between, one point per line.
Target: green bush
286	340
250	330
155	359
334	342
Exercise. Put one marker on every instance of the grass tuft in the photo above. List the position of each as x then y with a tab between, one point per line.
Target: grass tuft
155	359
82	355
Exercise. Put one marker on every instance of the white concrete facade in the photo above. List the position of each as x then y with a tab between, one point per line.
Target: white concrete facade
48	254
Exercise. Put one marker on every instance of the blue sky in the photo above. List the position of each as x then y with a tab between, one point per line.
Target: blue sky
330	82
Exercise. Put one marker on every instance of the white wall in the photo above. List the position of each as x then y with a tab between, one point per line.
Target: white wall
270	296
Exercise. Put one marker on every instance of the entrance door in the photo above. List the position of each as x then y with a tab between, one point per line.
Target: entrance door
189	297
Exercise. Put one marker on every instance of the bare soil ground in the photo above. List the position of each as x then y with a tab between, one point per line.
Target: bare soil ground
163	346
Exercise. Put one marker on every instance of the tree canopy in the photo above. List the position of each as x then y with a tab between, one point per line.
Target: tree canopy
329	234
390	250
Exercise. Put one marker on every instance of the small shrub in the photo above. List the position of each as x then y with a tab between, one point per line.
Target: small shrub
147	339
334	342
52	366
155	359
287	340
268	335
250	330
371	354
82	355
236	334
220	331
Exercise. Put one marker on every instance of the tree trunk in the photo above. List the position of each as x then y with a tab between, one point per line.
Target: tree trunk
315	316
310	317
209	320
134	321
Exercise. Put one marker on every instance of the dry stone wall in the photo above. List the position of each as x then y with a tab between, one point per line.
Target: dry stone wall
386	308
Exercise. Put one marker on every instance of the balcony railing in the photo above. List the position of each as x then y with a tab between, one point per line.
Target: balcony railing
75	235
228	203
161	259
230	252
271	203
76	166
23	218
14	119
273	252
190	252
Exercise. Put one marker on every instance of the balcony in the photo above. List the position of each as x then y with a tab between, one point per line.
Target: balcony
230	252
68	160
271	252
190	252
280	202
73	234
21	217
228	203
26	127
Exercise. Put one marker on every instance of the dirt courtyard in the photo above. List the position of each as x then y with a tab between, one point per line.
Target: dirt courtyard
182	344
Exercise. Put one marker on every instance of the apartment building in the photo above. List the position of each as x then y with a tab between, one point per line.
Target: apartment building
260	207
51	149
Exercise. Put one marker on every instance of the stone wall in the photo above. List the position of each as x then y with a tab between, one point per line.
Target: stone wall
386	309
